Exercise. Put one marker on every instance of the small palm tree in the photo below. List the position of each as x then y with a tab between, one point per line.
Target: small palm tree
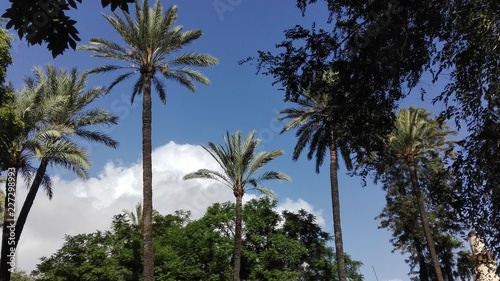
135	218
53	107
240	163
151	40
414	138
317	129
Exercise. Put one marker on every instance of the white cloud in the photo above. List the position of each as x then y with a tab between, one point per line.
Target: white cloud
86	206
295	206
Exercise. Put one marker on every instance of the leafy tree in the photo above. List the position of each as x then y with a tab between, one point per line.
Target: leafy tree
150	39
240	163
90	260
45	21
21	275
457	43
10	125
287	245
400	216
54	107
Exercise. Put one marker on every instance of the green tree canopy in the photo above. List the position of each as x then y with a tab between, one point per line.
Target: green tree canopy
456	43
279	246
10	124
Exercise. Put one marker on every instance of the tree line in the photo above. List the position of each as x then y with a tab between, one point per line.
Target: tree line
277	246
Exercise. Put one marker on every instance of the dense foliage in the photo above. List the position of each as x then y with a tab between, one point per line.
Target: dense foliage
10	125
276	246
45	21
457	44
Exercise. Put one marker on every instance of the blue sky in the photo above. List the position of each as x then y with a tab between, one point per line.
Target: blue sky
238	99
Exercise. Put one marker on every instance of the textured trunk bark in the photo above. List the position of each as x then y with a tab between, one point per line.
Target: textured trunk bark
30	198
337	226
8	226
424	219
237	235
147	183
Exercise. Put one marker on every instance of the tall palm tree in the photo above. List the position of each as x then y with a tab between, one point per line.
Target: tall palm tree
240	163
321	132
415	137
151	40
54	108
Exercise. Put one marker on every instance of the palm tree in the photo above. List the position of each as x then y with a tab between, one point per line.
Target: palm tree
53	107
151	39
320	131
414	139
135	218
240	162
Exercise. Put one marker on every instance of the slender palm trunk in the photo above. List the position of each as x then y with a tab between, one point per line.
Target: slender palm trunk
8	229
30	198
337	226
422	273
425	220
147	183
238	234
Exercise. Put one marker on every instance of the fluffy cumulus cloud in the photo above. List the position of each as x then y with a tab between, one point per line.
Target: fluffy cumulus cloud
86	206
293	206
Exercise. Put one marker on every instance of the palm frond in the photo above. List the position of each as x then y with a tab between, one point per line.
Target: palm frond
137	89
160	88
97	137
193	59
209	174
47	186
266	191
120	79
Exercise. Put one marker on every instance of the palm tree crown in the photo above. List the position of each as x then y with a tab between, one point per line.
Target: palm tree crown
53	107
150	40
316	126
415	135
240	163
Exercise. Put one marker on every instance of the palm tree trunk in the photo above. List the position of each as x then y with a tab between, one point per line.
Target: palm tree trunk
337	226
424	219
422	273
8	228
422	264
30	198
238	235
147	183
